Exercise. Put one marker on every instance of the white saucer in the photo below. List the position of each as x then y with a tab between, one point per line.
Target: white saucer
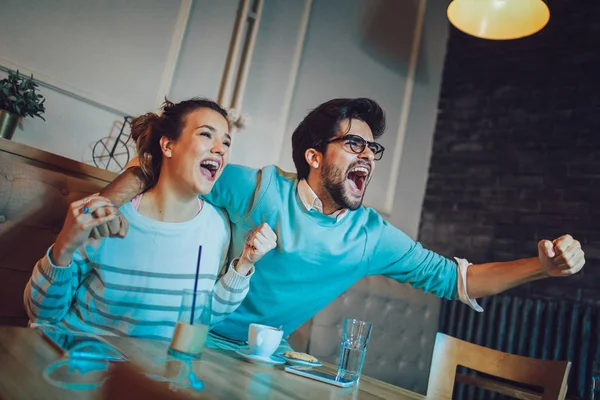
300	363
259	360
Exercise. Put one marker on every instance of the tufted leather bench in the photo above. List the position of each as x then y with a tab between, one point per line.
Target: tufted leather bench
405	322
36	188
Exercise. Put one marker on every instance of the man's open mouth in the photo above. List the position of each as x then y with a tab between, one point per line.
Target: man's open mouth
357	178
209	168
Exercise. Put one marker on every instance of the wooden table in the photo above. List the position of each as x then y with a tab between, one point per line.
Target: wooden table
24	355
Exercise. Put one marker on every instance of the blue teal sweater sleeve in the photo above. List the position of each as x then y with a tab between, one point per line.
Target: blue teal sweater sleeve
238	190
395	255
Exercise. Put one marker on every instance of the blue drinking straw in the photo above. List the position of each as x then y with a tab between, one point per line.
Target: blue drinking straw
195	285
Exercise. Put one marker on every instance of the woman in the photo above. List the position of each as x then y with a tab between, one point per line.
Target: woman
132	286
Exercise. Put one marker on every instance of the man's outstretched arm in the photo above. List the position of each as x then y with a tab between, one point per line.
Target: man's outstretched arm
126	186
397	256
120	191
557	258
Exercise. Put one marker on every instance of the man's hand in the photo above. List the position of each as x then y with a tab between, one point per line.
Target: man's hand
561	257
116	227
258	243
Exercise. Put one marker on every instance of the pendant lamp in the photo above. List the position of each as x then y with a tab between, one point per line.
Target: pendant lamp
499	19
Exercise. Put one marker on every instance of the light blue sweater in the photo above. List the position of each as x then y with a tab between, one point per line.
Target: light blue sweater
316	258
133	286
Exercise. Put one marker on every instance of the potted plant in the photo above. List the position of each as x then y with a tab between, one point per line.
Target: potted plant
18	99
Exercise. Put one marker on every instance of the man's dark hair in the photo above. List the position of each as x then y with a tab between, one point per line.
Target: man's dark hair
323	123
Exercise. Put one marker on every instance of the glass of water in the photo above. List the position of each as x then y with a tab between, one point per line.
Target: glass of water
355	340
595	385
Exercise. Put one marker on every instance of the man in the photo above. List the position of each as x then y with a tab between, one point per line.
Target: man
327	239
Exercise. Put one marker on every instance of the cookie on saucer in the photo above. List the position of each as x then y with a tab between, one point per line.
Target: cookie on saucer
296	355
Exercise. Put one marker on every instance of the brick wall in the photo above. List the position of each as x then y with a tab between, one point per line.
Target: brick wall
516	152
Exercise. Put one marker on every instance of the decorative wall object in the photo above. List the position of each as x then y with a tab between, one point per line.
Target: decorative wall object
113	154
18	99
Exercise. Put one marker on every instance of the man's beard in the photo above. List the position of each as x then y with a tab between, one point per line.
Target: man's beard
334	182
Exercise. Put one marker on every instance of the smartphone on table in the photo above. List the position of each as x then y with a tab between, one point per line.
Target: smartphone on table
80	345
322	376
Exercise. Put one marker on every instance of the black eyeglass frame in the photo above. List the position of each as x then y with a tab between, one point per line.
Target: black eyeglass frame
354	140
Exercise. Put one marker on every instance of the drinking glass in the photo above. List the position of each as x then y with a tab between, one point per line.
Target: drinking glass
193	322
77	373
86	358
355	339
177	372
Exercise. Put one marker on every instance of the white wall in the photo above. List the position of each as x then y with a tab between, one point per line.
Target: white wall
335	63
111	49
351	48
110	53
416	153
270	82
204	50
115	55
72	127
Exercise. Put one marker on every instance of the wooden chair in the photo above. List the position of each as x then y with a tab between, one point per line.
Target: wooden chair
450	352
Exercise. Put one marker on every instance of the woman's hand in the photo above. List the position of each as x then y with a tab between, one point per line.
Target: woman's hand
260	241
78	225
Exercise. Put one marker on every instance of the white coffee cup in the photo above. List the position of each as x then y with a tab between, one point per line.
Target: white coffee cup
263	339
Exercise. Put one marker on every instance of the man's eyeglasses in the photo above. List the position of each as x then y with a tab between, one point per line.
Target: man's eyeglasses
358	144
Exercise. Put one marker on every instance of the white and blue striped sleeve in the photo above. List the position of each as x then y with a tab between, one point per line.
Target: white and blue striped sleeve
229	292
51	288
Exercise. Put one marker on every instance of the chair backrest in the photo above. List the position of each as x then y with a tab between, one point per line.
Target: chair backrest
449	353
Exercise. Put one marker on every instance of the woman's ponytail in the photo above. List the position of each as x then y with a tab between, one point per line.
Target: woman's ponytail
146	132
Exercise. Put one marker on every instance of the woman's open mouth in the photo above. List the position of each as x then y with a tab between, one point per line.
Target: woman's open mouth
357	179
209	169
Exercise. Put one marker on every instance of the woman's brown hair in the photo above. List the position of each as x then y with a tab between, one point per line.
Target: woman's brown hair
148	129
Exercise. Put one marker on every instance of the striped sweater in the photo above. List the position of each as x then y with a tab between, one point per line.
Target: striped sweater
133	286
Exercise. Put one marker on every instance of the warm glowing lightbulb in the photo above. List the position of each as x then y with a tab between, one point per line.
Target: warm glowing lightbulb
499	19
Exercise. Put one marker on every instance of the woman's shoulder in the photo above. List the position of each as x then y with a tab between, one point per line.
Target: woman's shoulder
216	216
214	227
